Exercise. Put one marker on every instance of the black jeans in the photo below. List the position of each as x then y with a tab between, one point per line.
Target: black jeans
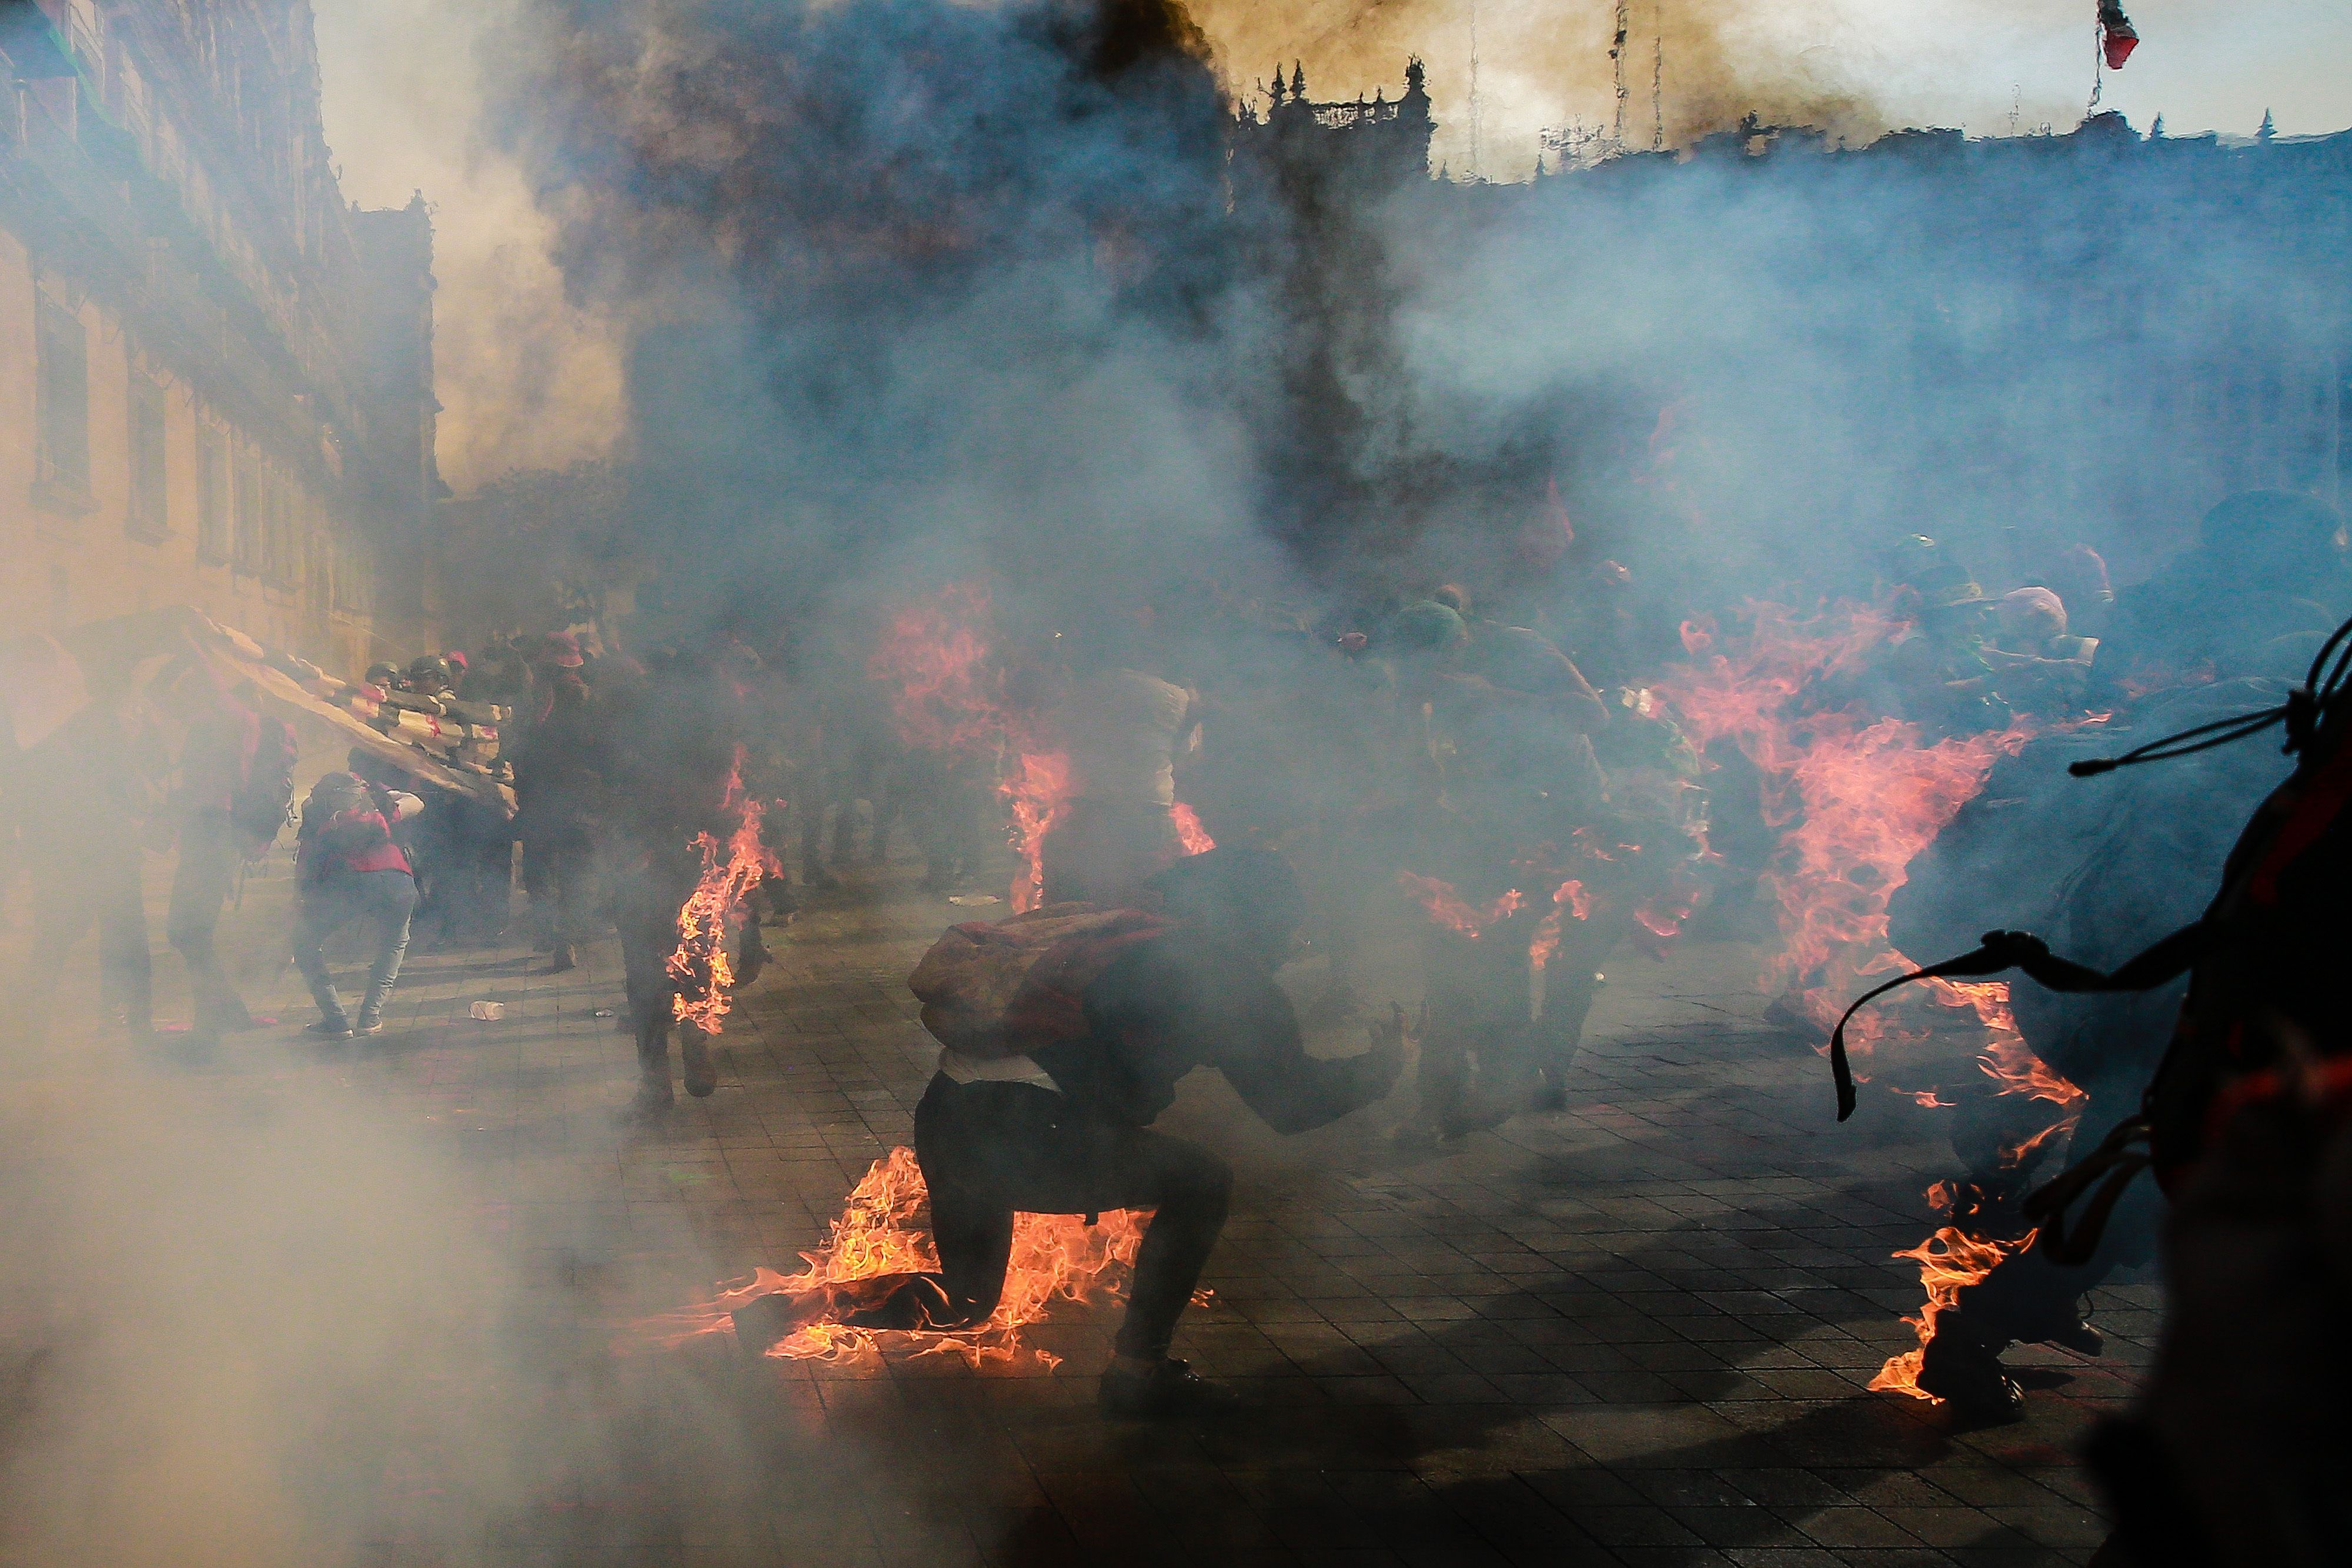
990	1150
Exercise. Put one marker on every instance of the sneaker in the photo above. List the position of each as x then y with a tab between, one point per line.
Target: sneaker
1171	1388
330	1029
1968	1375
367	1025
694	1052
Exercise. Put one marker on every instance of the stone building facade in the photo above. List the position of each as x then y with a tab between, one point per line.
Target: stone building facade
215	374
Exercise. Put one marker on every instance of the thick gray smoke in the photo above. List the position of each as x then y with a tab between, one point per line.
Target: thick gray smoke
905	281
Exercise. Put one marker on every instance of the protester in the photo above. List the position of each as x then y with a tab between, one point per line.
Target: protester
675	739
81	785
2037	665
236	783
1047	1109
1121	726
348	870
559	791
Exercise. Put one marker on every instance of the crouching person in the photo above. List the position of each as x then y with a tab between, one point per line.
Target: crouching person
349	870
1064	1032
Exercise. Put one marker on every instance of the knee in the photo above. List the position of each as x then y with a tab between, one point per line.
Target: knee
1200	1184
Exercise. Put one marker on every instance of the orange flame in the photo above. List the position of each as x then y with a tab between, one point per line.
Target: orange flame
933	658
1950	1262
1189	831
1447	907
881	1233
1036	792
701	966
1855	796
1568	898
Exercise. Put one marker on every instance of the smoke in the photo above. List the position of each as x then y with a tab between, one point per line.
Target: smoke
902	276
299	1314
527	379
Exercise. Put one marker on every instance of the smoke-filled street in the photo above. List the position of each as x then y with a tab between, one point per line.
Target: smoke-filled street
1640	1326
1193	782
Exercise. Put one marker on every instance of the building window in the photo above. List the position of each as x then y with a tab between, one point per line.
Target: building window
212	495
245	550
61	458
149	514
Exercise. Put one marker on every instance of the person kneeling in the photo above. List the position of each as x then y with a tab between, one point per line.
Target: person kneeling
1063	1034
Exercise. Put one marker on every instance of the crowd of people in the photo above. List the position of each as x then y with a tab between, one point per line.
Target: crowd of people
1509	779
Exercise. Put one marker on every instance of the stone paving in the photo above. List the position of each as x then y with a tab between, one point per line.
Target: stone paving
1637	1332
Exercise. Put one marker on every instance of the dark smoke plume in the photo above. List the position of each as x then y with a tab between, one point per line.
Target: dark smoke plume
902	279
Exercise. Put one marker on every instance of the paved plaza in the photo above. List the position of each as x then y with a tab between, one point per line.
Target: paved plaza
1637	1332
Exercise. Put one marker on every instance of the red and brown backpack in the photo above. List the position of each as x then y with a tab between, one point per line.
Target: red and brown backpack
1007	988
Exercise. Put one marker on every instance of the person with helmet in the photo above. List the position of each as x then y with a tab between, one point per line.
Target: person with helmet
386	677
429	675
2037	664
1063	1034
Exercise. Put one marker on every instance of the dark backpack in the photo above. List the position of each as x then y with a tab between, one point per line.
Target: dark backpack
990	991
263	802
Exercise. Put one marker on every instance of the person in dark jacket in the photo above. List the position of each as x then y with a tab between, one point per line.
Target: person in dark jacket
346	870
236	779
1066	1128
675	760
558	787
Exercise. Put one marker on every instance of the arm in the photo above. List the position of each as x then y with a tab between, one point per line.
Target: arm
1292	1091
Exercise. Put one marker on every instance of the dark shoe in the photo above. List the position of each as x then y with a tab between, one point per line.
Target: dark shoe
330	1029
1171	1388
694	1052
1967	1375
1553	1095
564	958
366	1025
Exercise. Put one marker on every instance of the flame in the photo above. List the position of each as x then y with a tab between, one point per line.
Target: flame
1568	898
1950	1262
1036	791
2009	1061
1189	831
881	1234
1940	1196
701	966
1855	796
1447	907
932	656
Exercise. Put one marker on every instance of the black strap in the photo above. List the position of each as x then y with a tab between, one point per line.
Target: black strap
2001	951
2121	1155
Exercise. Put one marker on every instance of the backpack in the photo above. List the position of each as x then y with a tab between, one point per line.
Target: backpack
990	991
340	819
263	801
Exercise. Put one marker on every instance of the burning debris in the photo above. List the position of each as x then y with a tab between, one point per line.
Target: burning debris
872	1286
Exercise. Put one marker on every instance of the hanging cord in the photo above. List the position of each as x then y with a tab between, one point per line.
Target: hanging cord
2301	713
